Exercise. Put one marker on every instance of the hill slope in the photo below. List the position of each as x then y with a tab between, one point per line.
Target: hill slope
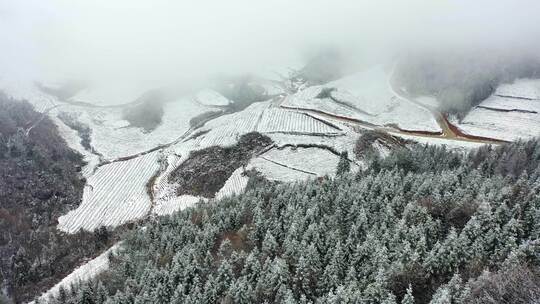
421	225
40	181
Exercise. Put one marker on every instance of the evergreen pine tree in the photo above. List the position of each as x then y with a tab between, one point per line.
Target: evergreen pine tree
408	298
343	166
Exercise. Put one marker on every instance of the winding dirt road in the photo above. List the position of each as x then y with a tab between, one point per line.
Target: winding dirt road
448	130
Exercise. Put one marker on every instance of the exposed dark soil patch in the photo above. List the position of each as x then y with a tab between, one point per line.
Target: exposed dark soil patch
206	171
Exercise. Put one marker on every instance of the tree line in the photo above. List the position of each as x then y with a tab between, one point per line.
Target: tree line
423	225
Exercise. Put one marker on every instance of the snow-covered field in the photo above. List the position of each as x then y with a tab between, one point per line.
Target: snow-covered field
278	120
506	126
524	88
113	138
107	94
519	118
449	143
28	91
290	164
512	104
234	185
74	142
211	98
307	139
306	99
176	203
307	144
366	96
81	274
279	172
114	195
227	129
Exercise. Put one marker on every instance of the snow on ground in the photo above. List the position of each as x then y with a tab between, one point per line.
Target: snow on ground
278	120
525	88
280	72
409	116
165	198
291	164
367	90
81	274
211	98
366	96
21	90
306	99
112	136
449	143
162	190
506	103
338	144
523	120
114	195
316	160
383	150
177	203
276	172
227	129
273	88
223	131
112	94
74	142
236	184
428	101
506	126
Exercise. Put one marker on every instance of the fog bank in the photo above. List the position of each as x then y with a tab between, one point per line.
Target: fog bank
129	44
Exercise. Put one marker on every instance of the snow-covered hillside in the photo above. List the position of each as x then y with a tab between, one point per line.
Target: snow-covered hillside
511	113
83	273
128	168
366	96
114	195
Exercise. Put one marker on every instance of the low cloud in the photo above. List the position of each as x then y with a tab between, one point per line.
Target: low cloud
133	43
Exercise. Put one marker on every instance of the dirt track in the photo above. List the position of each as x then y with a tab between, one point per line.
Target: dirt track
449	130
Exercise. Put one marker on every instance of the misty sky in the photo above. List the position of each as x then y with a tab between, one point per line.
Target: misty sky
154	42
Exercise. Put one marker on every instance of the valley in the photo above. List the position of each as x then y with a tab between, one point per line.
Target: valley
128	169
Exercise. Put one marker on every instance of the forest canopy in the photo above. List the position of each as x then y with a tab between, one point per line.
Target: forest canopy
423	225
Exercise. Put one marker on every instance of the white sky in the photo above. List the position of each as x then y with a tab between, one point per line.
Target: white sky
164	41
